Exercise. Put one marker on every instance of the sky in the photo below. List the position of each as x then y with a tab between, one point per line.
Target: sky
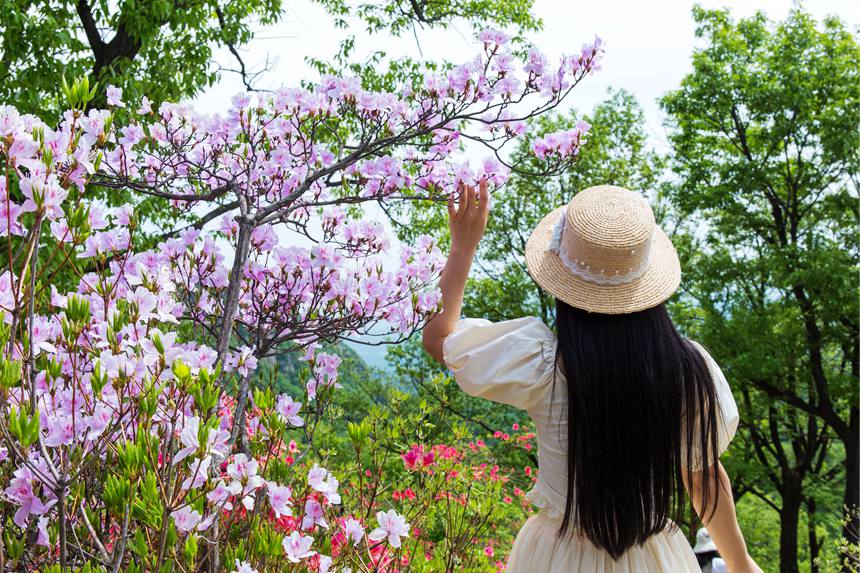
648	45
648	48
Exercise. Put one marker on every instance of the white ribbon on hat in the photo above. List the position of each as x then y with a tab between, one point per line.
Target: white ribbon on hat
554	246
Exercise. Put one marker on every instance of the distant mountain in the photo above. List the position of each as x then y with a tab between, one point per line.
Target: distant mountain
283	371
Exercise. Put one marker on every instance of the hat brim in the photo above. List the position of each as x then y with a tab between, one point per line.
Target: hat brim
653	287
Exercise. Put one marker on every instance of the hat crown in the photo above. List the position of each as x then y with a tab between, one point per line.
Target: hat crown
607	232
611	217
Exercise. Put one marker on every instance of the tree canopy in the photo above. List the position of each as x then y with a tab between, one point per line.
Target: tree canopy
164	49
765	133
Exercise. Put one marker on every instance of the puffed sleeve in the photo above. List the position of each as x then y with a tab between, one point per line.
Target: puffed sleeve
727	411
509	362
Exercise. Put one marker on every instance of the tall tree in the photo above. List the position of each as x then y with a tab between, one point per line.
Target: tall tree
160	49
164	49
766	133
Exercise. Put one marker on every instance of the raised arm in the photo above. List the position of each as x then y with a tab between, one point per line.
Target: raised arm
723	523
467	222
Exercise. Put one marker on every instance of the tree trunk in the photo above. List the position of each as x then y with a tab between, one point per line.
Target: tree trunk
789	520
814	542
851	500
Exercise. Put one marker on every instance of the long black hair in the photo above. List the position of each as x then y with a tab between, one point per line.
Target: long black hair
642	410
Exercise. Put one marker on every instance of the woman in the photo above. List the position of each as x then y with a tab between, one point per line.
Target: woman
629	414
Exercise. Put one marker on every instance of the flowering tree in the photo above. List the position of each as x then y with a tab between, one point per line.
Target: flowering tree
131	428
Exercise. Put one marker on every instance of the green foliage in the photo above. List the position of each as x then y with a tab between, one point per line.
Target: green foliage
397	17
766	139
24	427
160	49
164	49
381	72
10	372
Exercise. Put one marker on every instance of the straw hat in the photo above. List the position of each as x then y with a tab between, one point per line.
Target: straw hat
603	252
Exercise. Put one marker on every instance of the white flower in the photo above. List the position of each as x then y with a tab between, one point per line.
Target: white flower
244	567
289	410
186	519
279	499
298	546
353	530
314	515
391	525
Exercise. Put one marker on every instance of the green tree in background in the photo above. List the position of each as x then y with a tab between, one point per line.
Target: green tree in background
766	133
164	49
160	49
399	16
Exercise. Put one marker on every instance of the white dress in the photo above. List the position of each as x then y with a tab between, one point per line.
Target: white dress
512	362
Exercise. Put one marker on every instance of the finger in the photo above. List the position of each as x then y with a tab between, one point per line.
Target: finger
470	199
484	198
461	199
451	211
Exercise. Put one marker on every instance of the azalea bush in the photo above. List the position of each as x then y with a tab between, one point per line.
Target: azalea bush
136	435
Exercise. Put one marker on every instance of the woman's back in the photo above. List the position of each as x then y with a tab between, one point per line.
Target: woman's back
630	415
513	362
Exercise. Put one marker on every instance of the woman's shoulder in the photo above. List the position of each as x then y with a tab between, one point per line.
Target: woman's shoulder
506	361
522	326
712	365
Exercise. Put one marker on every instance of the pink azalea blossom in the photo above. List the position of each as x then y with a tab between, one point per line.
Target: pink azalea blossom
243	470
114	96
145	106
289	410
20	492
131	135
279	499
221	494
321	480
392	526
354	530
186	519
314	515
42	532
298	546
198	473
243	567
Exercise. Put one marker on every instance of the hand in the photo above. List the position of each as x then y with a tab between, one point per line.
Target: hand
468	221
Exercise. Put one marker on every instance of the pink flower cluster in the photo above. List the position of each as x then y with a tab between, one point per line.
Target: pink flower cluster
145	344
564	143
